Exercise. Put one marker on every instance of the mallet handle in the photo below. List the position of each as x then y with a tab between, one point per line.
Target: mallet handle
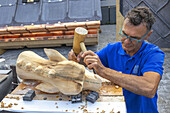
83	47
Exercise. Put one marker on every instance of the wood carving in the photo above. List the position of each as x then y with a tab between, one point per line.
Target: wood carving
56	74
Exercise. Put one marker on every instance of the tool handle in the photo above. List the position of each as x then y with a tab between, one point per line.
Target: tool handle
83	47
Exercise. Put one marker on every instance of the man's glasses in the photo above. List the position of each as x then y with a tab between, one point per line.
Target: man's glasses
131	39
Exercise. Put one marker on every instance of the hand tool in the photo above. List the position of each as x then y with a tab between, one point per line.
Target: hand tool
78	42
29	95
79	38
76	98
92	97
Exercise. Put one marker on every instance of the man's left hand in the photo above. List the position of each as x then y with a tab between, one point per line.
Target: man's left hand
92	61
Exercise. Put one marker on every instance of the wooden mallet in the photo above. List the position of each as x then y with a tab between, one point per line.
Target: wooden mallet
78	42
79	38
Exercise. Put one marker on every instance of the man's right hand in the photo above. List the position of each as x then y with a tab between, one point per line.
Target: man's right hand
72	56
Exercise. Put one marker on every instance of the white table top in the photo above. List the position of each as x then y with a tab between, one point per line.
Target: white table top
63	106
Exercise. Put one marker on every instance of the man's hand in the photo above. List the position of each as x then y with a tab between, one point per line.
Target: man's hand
73	57
92	61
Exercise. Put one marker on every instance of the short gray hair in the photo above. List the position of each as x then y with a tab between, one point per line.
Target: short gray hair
139	15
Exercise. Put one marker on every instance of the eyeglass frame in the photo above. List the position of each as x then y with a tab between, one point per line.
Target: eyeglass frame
131	37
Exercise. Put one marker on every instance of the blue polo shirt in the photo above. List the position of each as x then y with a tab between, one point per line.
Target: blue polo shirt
148	58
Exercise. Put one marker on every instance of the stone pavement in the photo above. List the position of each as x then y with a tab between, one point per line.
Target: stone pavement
164	87
107	35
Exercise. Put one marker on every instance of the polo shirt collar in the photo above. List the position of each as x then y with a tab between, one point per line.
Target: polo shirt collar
121	51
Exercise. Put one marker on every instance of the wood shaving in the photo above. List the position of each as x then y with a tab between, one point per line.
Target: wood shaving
103	111
6	97
2	104
10	105
85	110
17	98
15	103
82	107
112	112
117	87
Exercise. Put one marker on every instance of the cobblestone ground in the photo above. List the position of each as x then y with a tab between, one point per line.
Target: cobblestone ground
164	87
107	35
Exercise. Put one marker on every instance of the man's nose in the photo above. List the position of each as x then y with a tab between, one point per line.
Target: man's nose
127	40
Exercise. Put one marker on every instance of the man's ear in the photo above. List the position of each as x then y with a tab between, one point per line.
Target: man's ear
149	34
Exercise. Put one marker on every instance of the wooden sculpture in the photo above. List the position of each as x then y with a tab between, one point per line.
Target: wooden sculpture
56	74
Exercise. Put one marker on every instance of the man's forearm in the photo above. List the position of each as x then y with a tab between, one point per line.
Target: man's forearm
141	85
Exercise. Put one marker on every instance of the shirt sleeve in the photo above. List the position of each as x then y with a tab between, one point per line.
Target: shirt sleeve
154	62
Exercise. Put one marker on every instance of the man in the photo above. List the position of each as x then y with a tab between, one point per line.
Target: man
133	64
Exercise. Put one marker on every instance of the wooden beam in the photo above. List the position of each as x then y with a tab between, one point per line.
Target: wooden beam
92	39
119	20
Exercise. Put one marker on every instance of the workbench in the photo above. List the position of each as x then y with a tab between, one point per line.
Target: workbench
111	100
